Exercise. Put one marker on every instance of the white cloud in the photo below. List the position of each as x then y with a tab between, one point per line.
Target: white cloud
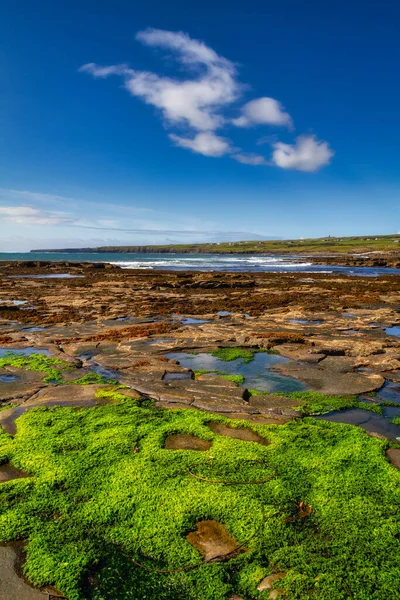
206	143
263	111
194	102
197	102
250	159
32	216
306	154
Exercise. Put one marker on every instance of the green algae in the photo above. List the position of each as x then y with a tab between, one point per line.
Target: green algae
92	378
52	368
105	492
314	403
238	379
228	354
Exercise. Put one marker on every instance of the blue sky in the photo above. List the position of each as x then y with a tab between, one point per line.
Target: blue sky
161	122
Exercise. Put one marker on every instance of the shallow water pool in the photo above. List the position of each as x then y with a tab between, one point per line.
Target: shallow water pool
395	330
257	373
24	351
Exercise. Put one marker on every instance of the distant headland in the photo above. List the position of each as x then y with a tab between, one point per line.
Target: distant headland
324	246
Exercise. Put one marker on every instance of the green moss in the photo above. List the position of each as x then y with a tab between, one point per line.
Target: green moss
104	491
395	421
51	367
37	362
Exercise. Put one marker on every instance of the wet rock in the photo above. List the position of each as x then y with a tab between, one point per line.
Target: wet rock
268	582
327	381
27	384
62	395
377	435
213	540
8	473
183	441
274	404
243	433
270	419
13	586
393	455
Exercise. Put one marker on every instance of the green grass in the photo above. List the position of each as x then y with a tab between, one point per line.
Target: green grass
94	503
395	421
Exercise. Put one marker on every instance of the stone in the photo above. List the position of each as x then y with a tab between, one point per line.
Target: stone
8	473
13	586
393	455
327	381
213	540
241	433
183	441
27	384
268	582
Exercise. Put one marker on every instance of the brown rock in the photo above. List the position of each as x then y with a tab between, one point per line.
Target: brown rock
393	455
183	441
213	540
243	433
268	582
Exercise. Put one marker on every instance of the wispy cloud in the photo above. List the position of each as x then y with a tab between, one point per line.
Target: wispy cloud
250	159
33	216
199	102
29	196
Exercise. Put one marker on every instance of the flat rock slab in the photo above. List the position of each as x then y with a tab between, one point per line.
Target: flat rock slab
183	441
393	455
243	433
210	395
259	419
213	540
27	384
327	381
271	402
62	395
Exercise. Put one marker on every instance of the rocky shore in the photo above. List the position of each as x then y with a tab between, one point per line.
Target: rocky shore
133	343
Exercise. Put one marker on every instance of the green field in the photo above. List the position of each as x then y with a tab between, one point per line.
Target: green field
325	245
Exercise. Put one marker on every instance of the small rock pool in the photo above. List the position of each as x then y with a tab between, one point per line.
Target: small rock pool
258	373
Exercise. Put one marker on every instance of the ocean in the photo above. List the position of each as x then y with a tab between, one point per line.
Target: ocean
201	262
